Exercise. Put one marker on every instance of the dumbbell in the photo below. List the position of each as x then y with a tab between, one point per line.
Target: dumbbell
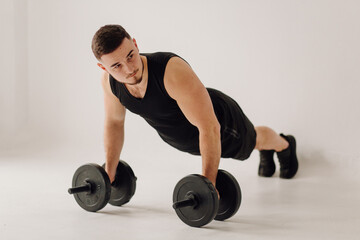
92	189
196	202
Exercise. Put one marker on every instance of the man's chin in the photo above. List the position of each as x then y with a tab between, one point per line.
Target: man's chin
137	81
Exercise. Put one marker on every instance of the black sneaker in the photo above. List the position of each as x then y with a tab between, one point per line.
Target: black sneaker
287	158
267	164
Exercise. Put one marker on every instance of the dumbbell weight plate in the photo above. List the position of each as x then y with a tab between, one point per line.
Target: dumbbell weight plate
230	195
208	202
100	190
124	186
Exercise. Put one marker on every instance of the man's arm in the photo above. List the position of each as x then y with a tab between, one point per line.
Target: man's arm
114	127
184	86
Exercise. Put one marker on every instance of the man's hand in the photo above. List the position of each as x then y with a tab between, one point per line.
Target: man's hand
213	181
111	171
218	193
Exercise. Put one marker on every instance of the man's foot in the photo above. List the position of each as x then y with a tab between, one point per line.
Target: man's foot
267	164
287	158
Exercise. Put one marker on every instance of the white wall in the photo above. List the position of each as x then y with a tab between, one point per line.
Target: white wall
13	70
291	65
7	67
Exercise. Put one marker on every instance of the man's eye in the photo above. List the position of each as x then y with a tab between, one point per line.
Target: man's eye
116	66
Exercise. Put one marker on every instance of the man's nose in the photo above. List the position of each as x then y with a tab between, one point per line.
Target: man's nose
129	69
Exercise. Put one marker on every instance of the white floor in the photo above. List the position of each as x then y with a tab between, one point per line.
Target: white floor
322	202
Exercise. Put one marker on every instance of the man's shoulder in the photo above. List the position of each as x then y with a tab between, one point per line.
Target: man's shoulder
162	53
159	56
158	61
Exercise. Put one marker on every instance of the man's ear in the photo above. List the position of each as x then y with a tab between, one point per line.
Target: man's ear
102	67
134	41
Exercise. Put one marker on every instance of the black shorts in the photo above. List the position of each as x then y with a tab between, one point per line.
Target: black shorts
238	136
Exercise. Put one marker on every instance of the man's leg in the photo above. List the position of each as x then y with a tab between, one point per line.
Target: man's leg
268	142
268	139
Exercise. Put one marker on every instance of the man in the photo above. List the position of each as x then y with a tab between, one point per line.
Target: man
164	90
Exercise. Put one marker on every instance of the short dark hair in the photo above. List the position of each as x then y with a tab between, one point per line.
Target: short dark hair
107	39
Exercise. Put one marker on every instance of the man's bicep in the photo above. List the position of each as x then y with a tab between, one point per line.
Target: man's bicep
114	110
191	95
197	107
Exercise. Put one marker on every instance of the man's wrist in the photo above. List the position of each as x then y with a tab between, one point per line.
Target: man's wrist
211	178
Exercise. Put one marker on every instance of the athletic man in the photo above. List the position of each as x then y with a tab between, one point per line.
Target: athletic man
164	90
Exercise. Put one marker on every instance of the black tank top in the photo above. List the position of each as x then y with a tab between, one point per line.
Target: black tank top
158	108
163	113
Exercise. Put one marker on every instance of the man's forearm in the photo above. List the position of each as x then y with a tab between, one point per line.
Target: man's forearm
113	141
210	149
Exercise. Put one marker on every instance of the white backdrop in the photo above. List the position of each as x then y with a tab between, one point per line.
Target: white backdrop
291	65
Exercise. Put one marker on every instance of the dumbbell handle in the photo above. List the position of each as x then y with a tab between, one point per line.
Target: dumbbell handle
83	188
190	200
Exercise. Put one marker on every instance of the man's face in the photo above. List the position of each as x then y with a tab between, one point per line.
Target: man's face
124	64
